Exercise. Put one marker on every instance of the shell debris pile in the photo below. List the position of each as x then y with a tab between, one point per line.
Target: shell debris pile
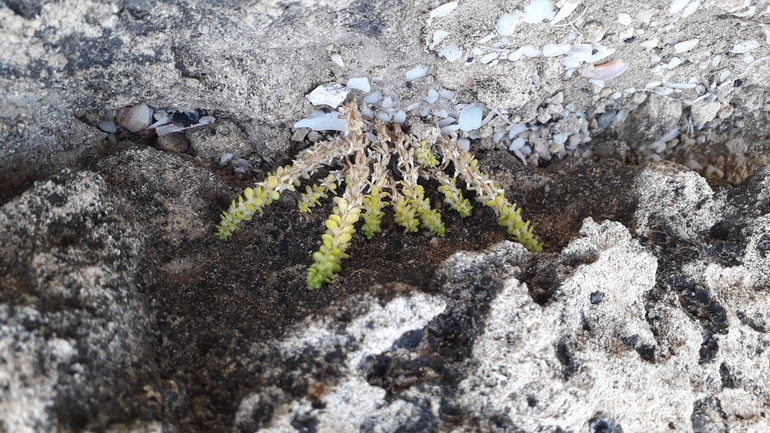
148	121
599	53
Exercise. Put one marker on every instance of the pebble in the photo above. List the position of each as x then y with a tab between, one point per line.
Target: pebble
605	119
703	113
176	142
108	126
726	111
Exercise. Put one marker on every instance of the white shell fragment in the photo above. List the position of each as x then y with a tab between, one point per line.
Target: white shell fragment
372	98
600	52
451	52
487	38
598	83
416	73
690	9
673	63
687	45
530	51
241	165
446	130
645	15
359	83
470	118
517	144
320	121
516	55
177	123
443	10
331	94
432	97
538	10
659	145
336	58
488	57
680	85
744	47
624	19
506	24
677	5
553	50
606	71
580	53
439	36
517	129
564	12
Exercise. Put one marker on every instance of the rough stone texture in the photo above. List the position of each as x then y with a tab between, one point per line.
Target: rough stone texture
74	336
120	312
618	341
654	118
114	287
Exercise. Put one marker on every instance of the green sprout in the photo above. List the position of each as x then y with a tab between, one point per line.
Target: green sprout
362	158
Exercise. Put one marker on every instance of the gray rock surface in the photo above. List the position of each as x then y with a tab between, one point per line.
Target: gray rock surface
120	312
615	347
73	330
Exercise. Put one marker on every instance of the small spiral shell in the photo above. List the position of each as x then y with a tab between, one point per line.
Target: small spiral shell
135	118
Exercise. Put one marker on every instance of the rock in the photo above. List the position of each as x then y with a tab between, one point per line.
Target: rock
224	137
121	312
675	288
176	142
703	113
655	117
74	335
542	339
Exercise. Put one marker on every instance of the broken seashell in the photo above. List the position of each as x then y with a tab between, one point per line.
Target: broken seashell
553	50
135	118
677	6
331	94
564	12
451	52
506	24
744	47
687	45
606	71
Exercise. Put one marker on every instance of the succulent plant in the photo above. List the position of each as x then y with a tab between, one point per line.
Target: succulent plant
361	159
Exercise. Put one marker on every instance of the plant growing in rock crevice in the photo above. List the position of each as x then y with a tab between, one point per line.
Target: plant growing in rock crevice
362	160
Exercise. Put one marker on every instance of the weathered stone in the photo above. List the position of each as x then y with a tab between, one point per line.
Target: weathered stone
120	312
654	118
